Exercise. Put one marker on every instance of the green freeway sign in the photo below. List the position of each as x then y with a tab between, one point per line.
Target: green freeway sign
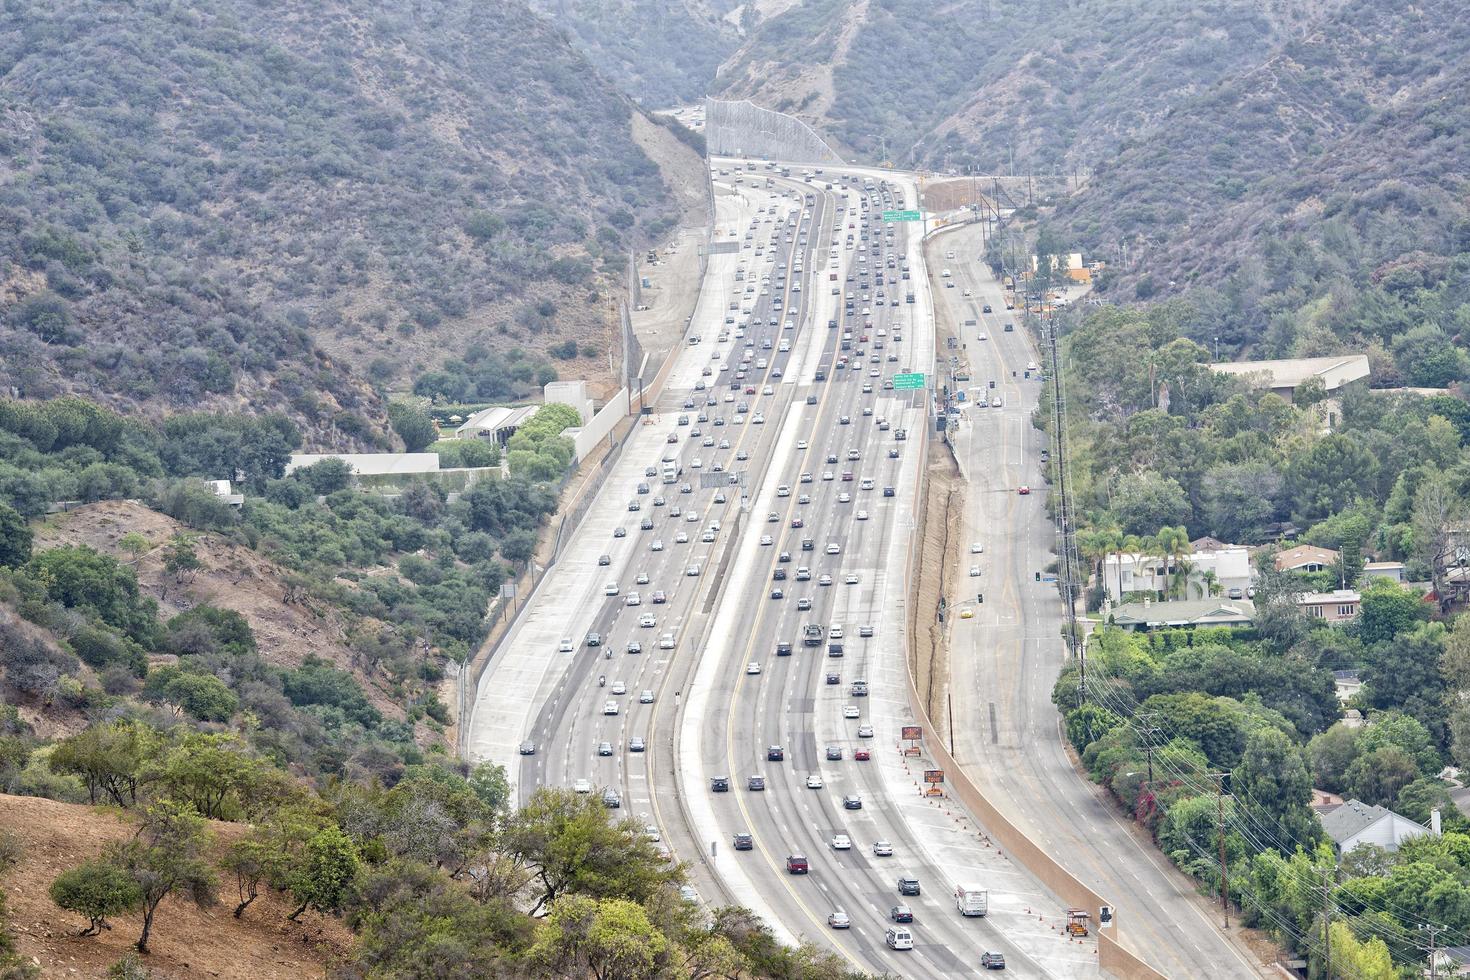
901	216
906	382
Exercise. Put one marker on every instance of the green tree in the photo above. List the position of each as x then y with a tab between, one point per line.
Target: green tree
1404	673
167	858
201	696
1274	790
608	938
1330	475
1401	730
82	578
326	873
413	425
15	537
571	844
209	772
1353	958
96	890
109	758
1145	501
1387	610
1376	777
1331	753
325	475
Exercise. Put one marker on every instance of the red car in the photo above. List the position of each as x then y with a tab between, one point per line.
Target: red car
862	755
796	864
1024	491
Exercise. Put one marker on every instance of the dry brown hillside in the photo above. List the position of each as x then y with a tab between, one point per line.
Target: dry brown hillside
288	624
187	942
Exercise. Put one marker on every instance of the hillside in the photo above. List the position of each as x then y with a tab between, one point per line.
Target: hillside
202	943
660	52
1353	136
231	203
992	85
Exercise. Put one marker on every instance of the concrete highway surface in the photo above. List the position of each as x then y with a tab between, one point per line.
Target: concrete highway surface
809	491
1004	661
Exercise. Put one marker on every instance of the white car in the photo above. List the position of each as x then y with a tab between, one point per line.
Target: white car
977	548
642	578
634	599
851	711
851	578
657	545
582	786
844	497
565	646
752	668
881	848
801	444
619	687
833	548
651	832
974	571
681	538
841	842
766	539
862	515
648	620
645	697
814	781
982	335
865	731
610	708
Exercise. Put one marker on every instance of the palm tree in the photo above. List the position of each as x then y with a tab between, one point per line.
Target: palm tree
1134	547
1212	583
1173	543
1110	537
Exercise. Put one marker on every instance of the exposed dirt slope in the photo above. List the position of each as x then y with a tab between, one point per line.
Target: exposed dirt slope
187	942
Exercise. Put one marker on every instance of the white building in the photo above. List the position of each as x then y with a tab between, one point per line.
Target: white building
498	422
1231	566
1355	823
1283	377
372	464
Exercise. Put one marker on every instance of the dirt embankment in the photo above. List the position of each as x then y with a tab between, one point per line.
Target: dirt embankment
187	941
289	624
942	526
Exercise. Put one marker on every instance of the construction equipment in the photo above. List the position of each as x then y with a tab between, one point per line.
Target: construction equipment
1077	922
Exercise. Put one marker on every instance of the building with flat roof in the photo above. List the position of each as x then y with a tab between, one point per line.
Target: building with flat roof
1230	565
1391	570
372	464
1283	377
1337	606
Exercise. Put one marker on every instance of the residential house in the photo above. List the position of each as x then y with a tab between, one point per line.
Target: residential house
1150	615
1355	823
1391	570
1337	606
223	491
1306	558
1230	565
1284	377
1347	683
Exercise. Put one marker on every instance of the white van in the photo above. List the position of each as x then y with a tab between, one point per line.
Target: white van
897	937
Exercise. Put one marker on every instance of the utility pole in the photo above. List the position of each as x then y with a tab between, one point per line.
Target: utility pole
1433	931
1148	730
1328	879
1220	834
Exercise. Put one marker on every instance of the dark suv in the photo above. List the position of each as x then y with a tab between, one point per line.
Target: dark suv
908	885
744	842
720	784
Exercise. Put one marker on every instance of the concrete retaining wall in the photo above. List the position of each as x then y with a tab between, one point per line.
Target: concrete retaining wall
588	436
744	129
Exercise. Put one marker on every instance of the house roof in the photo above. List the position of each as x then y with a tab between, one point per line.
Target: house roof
1208	543
1304	554
1291	373
1382	565
1327	598
1350	819
1189	612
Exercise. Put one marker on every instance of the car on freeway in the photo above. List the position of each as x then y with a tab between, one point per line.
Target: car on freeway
636	744
881	848
648	620
852	801
803	603
755	784
851	578
681	538
908	885
839	920
565	646
841	842
692	571
992	961
582	786
974	571
604	748
976	548
610	707
659	597
611	798
851	711
778	593
604	559
642	578
645	696
1023	490
766	540
657	545
796	864
528	747
719	784
901	913
862	755
594	639
775	754
814	781
619	687
744	842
